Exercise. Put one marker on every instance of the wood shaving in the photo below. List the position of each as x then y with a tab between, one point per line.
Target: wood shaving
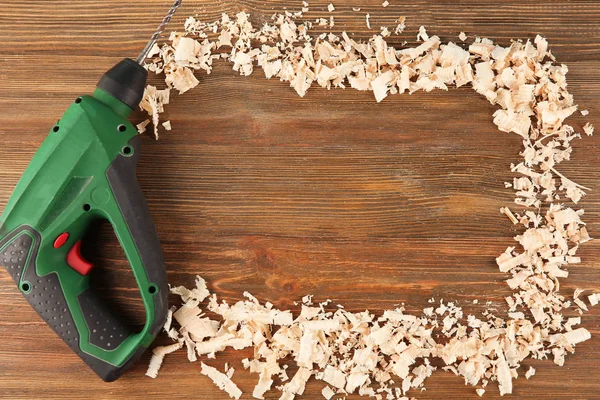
158	355
422	35
222	381
530	372
462	36
327	392
577	336
153	103
578	301
387	356
385	4
506	211
330	7
141	127
166	125
401	25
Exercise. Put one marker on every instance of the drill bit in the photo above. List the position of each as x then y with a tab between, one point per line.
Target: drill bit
159	30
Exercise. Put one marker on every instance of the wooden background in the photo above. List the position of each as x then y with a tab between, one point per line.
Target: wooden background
257	189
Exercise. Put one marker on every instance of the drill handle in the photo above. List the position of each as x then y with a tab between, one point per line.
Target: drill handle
135	230
137	234
19	254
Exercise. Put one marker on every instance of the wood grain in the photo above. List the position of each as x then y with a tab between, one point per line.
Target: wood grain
256	189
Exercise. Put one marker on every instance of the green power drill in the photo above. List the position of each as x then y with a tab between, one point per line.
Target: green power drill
85	171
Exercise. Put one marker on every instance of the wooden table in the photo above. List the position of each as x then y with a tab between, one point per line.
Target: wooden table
256	189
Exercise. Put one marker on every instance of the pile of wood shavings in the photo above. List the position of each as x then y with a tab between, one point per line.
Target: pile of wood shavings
384	357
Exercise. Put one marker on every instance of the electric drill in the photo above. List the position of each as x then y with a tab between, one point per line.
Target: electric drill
85	171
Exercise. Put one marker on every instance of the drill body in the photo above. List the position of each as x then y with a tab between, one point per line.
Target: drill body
85	170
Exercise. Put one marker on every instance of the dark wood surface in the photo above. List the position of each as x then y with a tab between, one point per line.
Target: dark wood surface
256	189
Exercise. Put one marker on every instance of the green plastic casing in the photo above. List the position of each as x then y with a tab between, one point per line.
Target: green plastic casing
85	171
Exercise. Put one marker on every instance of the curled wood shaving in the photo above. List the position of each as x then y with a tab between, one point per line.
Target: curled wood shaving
385	357
222	381
158	355
577	336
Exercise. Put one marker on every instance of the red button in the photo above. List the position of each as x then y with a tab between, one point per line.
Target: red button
76	260
61	240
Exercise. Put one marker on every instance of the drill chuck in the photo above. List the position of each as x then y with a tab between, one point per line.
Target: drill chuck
125	81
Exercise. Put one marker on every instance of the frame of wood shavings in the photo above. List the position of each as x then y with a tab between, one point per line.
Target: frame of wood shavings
388	356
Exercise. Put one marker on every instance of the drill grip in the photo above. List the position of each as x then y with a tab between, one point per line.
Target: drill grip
136	231
18	253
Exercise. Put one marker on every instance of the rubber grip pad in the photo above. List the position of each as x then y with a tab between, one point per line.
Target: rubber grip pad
46	296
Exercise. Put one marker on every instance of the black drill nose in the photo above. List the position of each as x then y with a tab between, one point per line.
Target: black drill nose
125	81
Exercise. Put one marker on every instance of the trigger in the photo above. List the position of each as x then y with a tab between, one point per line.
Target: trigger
76	260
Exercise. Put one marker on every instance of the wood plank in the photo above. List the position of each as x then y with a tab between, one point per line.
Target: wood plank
256	189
